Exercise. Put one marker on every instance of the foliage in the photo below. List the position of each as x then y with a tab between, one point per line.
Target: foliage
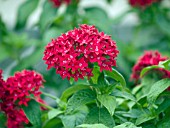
109	99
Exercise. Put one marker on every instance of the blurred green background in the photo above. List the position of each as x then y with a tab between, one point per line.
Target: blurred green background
26	26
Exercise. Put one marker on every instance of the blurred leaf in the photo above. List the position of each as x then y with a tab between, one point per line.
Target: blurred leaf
33	113
47	16
96	72
133	113
54	113
145	70
163	106
80	98
33	59
164	123
144	118
74	119
127	125
99	115
91	126
24	12
109	102
96	14
163	23
166	64
3	29
157	89
116	76
71	90
53	123
124	94
2	120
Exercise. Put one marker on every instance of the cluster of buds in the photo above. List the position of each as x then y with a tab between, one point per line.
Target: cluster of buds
16	91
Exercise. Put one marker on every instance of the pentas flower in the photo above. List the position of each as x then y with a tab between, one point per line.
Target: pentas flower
23	84
72	52
57	3
142	3
148	59
16	91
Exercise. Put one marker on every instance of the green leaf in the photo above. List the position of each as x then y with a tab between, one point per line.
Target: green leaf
157	89
163	106
145	70
109	102
163	23
24	12
164	123
54	113
75	118
33	113
80	98
70	91
91	126
133	113
144	118
124	94
98	14
96	73
53	123
2	120
127	125
99	116
116	76
166	64
47	16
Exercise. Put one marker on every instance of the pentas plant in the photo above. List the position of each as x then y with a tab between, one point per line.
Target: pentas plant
57	3
149	58
100	99
16	91
142	3
74	53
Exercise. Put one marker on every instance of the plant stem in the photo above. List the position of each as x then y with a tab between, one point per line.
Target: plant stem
46	106
51	96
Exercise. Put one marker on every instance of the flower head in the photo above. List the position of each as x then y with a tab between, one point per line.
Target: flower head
148	59
15	92
24	83
57	3
72	53
142	3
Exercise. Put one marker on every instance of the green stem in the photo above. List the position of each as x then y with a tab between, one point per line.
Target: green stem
43	105
51	96
46	106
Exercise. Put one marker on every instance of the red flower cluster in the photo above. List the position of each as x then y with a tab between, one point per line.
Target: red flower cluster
148	59
142	3
57	3
73	52
15	92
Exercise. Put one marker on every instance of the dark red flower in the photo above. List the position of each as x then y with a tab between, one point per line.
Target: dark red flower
148	59
73	52
16	118
57	3
24	83
142	3
15	92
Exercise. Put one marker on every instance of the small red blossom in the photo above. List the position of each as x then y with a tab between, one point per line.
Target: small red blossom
57	3
142	3
72	52
148	59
